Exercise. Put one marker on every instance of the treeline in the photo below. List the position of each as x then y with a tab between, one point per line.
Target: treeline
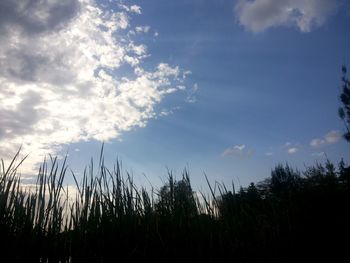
291	216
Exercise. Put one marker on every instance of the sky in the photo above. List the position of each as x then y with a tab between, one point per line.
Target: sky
226	88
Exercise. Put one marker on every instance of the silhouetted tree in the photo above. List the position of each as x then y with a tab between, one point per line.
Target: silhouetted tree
176	198
344	173
227	204
344	112
284	180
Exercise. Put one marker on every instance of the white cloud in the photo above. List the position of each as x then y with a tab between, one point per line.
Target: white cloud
238	151
292	150
330	138
268	153
136	9
59	77
139	50
259	15
132	9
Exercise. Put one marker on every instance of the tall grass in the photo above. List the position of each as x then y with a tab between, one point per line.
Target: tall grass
108	218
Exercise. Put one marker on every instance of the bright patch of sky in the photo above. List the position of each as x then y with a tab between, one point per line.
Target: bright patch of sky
229	88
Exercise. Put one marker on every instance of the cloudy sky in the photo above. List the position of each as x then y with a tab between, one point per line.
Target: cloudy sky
226	87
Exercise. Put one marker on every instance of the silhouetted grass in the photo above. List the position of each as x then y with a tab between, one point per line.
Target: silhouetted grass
289	216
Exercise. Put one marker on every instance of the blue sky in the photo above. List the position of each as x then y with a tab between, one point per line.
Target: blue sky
226	88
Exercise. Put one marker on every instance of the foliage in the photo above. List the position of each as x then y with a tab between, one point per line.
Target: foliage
344	111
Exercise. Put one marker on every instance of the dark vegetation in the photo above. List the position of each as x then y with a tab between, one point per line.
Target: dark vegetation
289	216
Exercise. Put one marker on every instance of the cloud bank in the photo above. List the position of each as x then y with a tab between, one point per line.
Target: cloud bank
260	15
61	80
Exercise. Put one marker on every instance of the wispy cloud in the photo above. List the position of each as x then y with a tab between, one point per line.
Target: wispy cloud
166	112
317	142
330	138
333	136
238	151
59	77
318	154
259	15
142	29
191	93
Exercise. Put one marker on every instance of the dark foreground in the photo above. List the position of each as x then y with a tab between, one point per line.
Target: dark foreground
289	217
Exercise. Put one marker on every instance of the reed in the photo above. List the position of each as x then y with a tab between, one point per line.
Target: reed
106	217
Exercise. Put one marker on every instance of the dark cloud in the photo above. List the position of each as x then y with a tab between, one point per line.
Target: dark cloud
22	66
21	119
36	16
28	65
